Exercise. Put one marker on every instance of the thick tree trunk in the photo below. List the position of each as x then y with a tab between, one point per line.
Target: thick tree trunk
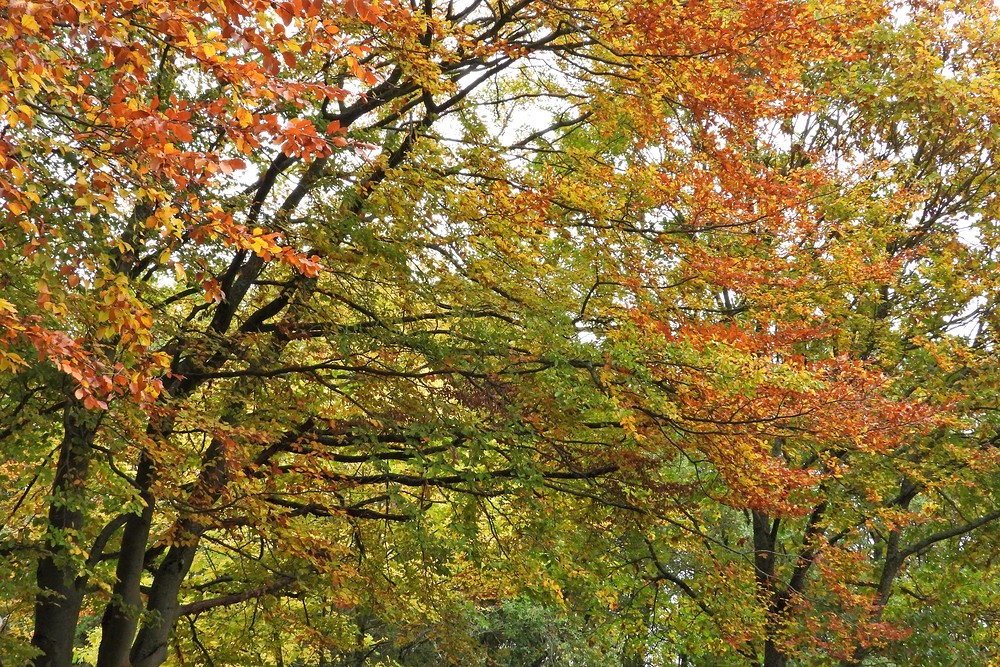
150	647
765	537
121	616
774	657
60	580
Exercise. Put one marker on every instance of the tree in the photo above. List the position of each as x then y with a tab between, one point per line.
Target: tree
315	314
863	568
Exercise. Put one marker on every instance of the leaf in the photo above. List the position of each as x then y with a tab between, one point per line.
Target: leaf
623	333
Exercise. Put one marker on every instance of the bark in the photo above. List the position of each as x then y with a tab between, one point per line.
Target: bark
150	647
765	534
121	616
60	578
764	538
773	656
198	607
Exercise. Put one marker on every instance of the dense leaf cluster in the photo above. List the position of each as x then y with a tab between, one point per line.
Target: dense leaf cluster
498	333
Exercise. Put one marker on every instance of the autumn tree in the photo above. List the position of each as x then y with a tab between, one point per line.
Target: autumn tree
886	548
342	324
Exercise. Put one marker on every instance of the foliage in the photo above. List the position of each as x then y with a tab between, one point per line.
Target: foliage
497	333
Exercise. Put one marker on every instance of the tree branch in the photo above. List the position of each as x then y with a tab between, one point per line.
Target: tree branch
235	598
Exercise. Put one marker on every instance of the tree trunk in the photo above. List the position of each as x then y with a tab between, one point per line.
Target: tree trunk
773	656
121	616
60	579
150	648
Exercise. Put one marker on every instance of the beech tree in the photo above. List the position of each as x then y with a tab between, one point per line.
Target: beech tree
400	331
889	551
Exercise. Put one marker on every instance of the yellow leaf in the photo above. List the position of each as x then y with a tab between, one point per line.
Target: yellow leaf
244	117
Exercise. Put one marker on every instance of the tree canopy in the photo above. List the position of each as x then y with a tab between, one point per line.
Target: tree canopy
499	332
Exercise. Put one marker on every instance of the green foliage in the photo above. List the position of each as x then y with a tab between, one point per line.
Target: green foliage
498	334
